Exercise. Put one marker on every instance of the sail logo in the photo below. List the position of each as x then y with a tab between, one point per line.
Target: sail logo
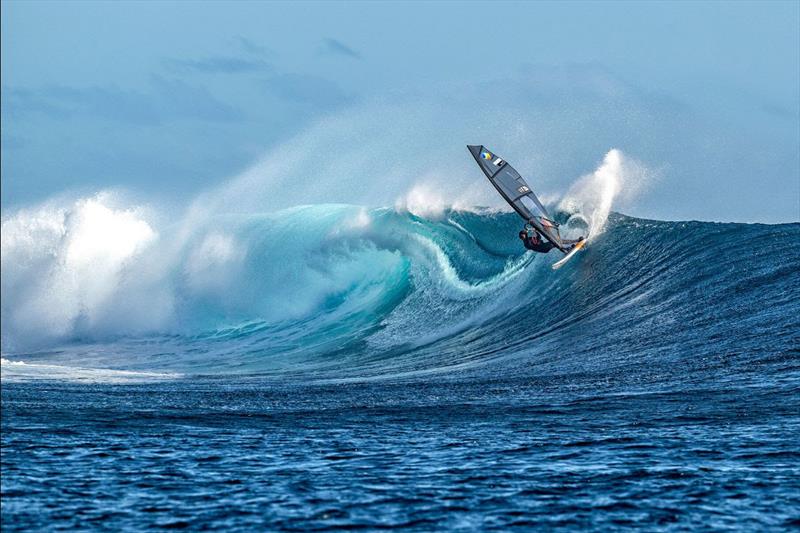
497	162
486	155
523	190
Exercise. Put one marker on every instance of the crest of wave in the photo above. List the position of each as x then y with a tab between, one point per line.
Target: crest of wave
63	267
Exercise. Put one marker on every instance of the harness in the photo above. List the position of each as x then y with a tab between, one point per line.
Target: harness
536	243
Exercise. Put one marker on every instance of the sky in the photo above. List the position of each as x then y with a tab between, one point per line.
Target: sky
169	99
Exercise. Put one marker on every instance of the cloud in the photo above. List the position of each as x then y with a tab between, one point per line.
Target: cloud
307	89
251	61
219	65
779	111
332	46
17	101
62	101
182	100
252	48
169	99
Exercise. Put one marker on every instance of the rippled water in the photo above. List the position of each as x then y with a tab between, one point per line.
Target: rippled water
478	455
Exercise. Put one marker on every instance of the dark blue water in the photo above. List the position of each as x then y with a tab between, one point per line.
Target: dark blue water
447	383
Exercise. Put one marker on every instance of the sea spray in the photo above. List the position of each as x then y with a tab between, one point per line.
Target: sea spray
592	197
63	267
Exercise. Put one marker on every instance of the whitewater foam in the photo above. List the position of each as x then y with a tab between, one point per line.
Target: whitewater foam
63	265
592	196
20	371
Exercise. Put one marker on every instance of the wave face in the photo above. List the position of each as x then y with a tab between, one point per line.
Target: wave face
341	292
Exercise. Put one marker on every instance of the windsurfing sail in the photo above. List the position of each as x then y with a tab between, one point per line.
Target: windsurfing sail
513	188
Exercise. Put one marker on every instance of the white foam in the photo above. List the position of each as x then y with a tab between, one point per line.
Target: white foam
214	261
592	197
464	288
20	371
424	201
63	265
432	196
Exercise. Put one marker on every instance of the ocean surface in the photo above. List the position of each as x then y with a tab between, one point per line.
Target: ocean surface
338	368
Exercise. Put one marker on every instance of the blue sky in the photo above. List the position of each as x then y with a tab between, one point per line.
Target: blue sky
167	99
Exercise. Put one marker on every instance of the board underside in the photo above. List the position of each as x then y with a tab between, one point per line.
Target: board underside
558	264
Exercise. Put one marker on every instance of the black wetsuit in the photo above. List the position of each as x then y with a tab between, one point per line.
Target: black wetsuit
540	245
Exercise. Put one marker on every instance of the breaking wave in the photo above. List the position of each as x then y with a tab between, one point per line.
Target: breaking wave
342	291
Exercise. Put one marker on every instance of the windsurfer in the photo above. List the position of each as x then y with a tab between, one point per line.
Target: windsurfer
532	240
